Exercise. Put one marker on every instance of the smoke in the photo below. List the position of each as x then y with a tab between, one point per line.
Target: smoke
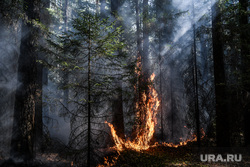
58	125
196	17
175	54
9	49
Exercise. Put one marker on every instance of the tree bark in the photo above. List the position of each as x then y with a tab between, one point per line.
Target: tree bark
24	111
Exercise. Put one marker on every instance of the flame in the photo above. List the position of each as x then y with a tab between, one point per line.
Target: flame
145	132
108	163
183	143
146	112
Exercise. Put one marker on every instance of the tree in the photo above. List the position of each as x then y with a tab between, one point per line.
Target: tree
197	112
25	105
245	43
118	119
42	76
159	16
222	121
65	74
89	52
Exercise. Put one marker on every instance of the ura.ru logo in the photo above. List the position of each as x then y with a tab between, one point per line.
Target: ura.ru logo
220	158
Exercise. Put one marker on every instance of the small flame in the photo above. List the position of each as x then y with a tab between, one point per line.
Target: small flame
144	133
183	143
108	163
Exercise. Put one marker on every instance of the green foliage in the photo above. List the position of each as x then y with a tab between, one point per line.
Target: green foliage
91	56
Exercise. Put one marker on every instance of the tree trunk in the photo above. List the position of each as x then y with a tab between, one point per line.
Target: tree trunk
196	93
138	31
25	105
172	101
38	122
66	73
117	107
145	58
41	79
160	41
89	101
222	122
245	52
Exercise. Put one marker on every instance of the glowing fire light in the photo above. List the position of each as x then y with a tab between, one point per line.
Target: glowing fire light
183	143
145	133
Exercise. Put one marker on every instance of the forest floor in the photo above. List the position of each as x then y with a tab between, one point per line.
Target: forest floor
159	156
162	156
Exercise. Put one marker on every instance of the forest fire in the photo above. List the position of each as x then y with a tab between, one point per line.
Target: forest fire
144	133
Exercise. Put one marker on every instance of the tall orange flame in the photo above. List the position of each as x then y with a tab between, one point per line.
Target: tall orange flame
145	134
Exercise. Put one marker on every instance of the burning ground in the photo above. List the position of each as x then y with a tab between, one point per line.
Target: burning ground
161	156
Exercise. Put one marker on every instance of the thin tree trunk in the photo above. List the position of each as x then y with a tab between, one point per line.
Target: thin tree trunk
196	89
159	34
138	31
66	74
172	102
145	58
161	107
89	101
118	118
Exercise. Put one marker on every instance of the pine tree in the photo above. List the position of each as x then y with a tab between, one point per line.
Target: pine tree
89	52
